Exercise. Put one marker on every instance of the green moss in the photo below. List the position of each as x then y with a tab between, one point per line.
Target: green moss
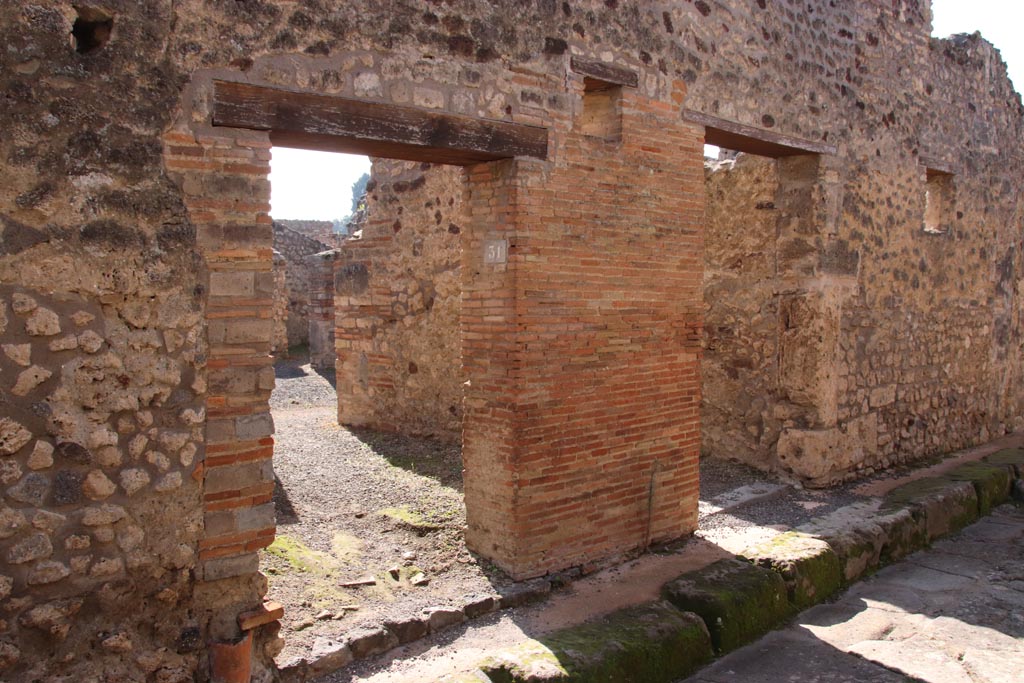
408	517
300	556
346	548
737	600
1013	457
651	643
810	568
992	483
915	492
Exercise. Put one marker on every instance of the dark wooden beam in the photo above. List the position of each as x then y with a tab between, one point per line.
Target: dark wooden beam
338	124
603	73
741	138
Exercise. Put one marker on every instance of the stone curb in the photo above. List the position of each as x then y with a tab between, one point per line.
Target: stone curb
654	643
329	655
741	599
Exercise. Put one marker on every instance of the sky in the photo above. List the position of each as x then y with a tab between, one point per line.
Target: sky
317	185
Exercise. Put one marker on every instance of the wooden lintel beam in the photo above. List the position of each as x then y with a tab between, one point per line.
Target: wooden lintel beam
741	138
330	123
604	72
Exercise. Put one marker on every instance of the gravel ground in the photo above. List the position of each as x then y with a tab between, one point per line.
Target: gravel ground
356	504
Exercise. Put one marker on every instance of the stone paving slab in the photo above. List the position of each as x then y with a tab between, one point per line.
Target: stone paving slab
951	614
794	656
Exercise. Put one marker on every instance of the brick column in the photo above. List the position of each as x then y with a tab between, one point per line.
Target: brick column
582	422
227	193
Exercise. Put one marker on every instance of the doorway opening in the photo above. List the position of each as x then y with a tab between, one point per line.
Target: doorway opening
367	458
762	320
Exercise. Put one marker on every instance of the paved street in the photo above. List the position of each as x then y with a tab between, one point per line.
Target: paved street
952	614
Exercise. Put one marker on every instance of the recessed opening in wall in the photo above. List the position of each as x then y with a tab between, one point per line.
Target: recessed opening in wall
369	499
759	195
938	201
317	201
602	110
367	455
91	30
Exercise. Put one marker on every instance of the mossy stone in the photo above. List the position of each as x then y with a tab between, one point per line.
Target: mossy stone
991	482
1014	457
948	506
653	642
736	599
810	568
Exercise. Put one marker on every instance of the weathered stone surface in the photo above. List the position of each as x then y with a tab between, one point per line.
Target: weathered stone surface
29	379
33	489
6	583
67	487
329	655
11	521
134	479
104	514
653	642
991	483
440	618
52	618
41	456
366	642
46	572
947	506
47	521
19	353
13	435
34	547
42	323
97	486
809	567
736	599
10	471
408	630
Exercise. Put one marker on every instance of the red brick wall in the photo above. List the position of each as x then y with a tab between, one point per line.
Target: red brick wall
583	352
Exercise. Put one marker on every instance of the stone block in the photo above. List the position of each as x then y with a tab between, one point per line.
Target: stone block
810	568
329	655
258	517
366	642
227	567
736	599
232	283
991	482
440	618
408	630
1013	457
947	506
651	643
251	427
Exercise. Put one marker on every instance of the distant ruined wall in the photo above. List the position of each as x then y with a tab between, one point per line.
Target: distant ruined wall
320	231
295	247
397	303
279	341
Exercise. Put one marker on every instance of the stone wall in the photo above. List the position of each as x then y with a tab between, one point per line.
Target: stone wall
137	300
296	247
279	342
319	231
398	362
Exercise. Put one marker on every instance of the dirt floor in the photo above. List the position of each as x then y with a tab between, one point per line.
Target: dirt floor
361	505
